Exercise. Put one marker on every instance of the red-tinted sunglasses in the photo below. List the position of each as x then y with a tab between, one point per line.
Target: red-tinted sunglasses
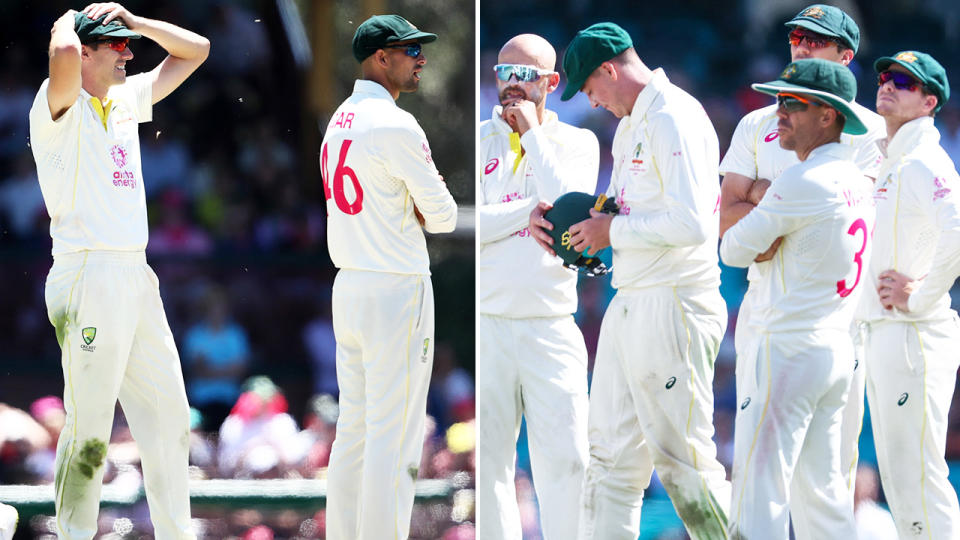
118	44
814	41
901	80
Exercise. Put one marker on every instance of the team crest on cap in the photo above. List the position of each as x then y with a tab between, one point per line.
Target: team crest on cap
906	56
814	12
787	73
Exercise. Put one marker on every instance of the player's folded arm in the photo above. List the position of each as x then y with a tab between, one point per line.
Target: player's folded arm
780	212
408	158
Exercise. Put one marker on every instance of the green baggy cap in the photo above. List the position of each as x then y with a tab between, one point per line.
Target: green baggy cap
828	21
591	47
381	30
924	68
830	82
90	30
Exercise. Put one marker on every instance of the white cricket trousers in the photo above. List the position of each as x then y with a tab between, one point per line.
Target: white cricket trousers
116	343
787	439
651	406
537	368
747	340
383	325
910	382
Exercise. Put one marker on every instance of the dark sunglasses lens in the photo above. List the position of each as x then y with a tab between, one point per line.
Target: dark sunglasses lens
789	104
901	81
813	41
413	50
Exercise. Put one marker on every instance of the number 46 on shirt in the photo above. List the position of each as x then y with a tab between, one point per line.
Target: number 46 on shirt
342	171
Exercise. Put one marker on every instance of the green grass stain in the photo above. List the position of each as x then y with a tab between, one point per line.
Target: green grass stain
91	457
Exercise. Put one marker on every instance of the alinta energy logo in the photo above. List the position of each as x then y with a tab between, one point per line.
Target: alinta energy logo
88	334
122	177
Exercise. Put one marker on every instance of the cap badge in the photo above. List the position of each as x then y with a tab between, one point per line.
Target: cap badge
906	56
787	73
814	12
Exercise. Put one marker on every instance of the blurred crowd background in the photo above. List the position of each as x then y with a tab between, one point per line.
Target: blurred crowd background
237	238
715	50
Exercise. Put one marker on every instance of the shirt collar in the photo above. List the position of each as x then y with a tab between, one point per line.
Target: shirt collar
833	149
911	135
650	92
375	89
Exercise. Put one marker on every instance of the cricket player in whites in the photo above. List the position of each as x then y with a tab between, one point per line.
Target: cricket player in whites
755	159
101	296
382	190
651	400
912	334
795	378
531	359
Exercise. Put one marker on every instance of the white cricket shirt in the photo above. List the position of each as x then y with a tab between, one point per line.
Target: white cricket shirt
376	162
918	223
822	208
88	164
665	179
515	276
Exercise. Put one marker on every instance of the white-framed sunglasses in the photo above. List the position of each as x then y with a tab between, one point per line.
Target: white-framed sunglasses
522	72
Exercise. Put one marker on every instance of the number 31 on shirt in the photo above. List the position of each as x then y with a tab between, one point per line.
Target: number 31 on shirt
339	173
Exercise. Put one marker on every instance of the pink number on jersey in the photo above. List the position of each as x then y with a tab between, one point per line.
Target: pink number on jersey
858	225
342	170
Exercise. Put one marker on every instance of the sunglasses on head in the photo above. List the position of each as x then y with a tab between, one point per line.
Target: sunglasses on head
118	44
522	72
791	103
412	50
901	80
814	41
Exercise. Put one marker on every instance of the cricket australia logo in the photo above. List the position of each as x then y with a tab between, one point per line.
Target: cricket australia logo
426	348
119	156
789	72
814	13
88	334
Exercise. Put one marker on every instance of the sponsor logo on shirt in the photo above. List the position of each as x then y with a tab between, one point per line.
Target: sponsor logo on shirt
122	177
119	155
771	137
942	191
491	166
515	196
426	151
624	209
881	193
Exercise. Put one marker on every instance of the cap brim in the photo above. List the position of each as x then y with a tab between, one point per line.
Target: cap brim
571	89
814	27
421	37
122	32
884	62
853	125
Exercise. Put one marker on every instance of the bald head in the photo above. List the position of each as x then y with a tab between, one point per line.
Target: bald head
528	49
